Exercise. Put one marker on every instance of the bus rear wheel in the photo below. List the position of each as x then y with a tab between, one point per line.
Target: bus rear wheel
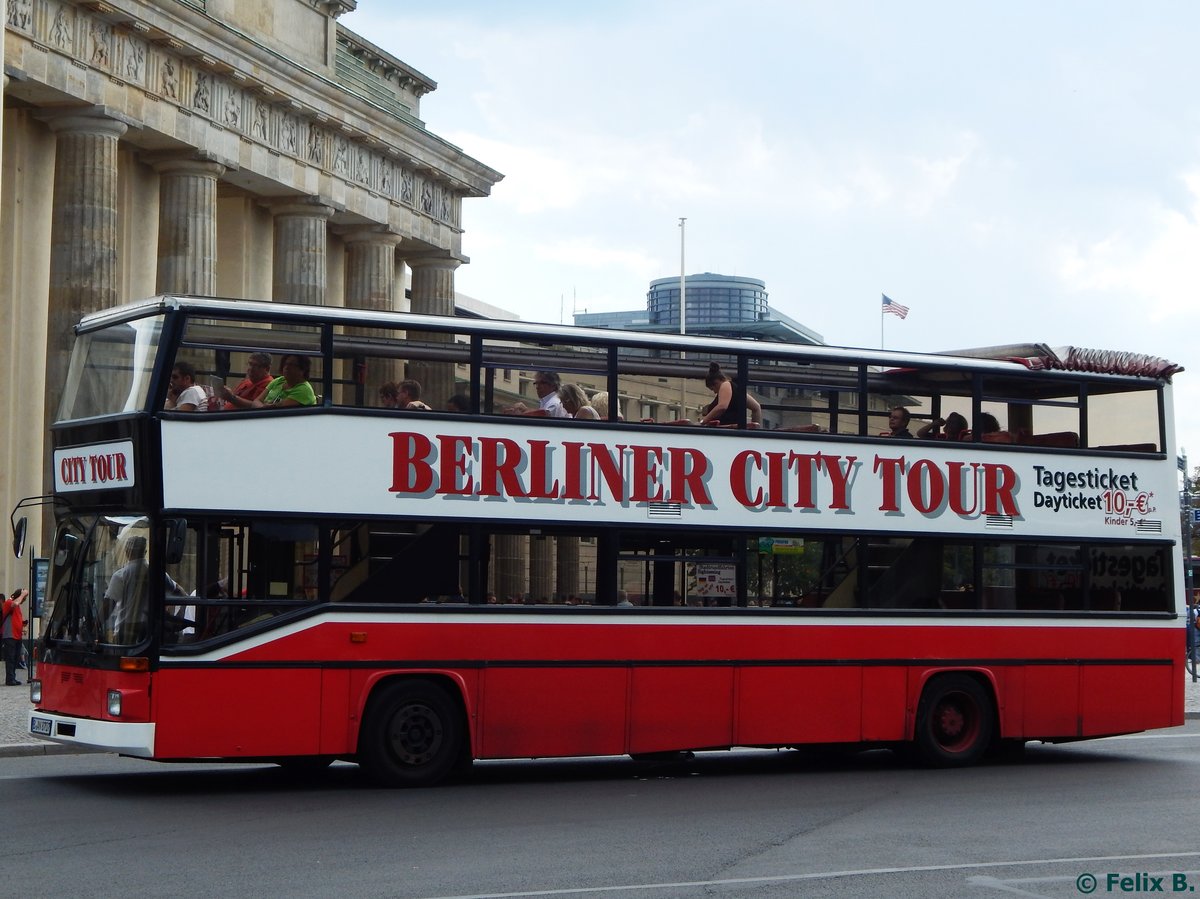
955	722
412	736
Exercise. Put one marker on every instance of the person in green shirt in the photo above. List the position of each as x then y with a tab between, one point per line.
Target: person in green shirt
291	388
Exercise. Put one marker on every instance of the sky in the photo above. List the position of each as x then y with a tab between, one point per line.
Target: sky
1014	172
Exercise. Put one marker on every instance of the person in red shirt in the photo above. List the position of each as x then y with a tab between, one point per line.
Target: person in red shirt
11	631
258	377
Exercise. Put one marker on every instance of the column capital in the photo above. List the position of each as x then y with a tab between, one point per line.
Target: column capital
309	207
368	234
433	261
87	120
184	163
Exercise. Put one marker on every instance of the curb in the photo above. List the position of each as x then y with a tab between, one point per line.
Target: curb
22	750
26	750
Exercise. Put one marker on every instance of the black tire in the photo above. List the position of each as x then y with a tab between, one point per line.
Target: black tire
413	735
955	722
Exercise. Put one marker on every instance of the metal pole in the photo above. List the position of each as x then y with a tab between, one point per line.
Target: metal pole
1186	541
26	646
683	410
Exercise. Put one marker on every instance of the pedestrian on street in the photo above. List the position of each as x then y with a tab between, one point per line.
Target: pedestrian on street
11	632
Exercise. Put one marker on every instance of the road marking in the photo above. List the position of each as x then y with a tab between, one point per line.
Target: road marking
791	878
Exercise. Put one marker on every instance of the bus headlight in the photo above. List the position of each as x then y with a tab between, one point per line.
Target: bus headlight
35	691
114	703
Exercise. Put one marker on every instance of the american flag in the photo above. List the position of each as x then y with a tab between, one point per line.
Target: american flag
890	305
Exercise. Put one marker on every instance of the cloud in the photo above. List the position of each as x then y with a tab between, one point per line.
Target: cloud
588	253
1161	270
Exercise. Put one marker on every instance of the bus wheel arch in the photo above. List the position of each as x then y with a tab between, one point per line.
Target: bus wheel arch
956	720
414	731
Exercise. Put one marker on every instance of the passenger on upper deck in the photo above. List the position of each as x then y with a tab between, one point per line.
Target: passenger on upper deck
898	419
410	396
953	423
988	423
389	395
575	401
730	405
257	380
599	402
184	394
460	402
546	384
291	389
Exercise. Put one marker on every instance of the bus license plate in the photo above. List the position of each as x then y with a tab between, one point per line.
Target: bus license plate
40	726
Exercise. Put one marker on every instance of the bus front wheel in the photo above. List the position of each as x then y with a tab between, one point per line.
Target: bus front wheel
412	736
955	721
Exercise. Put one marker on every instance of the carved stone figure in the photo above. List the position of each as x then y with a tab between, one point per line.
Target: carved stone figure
259	128
201	97
135	59
101	35
313	149
20	14
169	79
233	109
288	134
60	31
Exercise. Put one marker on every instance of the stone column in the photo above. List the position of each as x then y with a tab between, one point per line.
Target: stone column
187	225
567	581
370	284
541	568
433	294
370	267
301	244
83	235
509	566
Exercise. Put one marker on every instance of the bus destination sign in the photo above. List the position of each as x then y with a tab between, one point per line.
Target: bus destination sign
101	466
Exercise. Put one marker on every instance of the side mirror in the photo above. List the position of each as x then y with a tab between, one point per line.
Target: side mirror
19	530
176	531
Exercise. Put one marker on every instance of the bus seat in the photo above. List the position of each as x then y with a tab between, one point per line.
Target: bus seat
804	429
999	437
1067	439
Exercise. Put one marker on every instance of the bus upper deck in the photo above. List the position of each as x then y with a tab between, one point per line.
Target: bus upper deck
1028	395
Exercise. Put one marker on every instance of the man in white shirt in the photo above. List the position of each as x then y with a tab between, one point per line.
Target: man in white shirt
546	384
185	395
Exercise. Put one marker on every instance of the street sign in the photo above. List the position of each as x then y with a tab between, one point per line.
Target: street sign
1195	516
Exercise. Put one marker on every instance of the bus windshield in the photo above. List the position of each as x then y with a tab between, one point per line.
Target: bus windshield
99	577
110	369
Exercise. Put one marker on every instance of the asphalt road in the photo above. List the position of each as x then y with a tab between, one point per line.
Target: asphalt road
748	824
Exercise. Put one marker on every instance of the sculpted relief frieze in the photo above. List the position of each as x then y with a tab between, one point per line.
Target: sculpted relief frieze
20	15
227	100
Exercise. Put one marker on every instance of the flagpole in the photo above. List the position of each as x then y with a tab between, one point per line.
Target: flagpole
881	346
683	413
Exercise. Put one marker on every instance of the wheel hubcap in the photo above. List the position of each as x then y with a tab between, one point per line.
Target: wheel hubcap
955	723
415	734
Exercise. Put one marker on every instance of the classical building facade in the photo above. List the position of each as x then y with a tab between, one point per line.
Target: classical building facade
253	150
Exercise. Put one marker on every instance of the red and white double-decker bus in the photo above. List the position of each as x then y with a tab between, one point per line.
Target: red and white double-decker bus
415	589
